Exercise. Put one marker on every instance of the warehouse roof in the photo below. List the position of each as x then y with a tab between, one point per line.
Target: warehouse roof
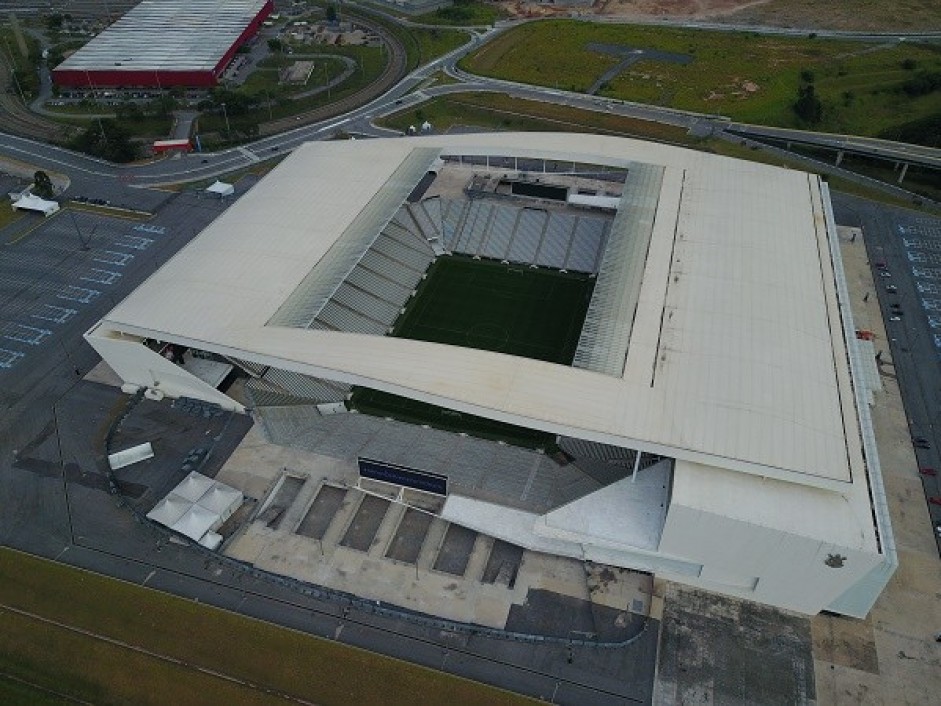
167	35
736	356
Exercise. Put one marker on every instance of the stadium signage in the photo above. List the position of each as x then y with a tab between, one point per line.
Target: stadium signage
401	475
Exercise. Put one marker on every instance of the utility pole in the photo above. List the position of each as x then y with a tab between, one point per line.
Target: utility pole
228	130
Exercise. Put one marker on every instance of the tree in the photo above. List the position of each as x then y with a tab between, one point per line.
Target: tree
808	106
42	185
275	44
107	139
54	23
331	13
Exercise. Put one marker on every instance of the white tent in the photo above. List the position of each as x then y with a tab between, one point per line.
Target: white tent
195	522
196	507
221	499
30	202
169	510
193	487
221	188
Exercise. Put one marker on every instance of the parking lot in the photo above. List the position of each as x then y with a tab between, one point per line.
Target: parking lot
904	249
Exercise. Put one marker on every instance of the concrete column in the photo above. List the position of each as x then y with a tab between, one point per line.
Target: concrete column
839	157
904	170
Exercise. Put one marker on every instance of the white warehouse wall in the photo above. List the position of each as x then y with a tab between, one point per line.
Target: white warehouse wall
762	563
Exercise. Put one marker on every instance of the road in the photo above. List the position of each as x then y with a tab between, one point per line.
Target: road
908	244
359	121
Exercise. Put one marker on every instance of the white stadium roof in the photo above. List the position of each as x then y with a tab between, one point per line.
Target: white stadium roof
171	35
736	356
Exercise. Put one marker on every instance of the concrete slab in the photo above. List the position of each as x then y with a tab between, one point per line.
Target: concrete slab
455	550
409	536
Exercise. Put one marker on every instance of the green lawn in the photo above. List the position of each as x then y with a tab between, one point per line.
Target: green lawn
464	13
191	646
498	111
747	77
433	43
534	313
7	214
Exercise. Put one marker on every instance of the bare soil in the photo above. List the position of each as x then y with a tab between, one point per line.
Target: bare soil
849	15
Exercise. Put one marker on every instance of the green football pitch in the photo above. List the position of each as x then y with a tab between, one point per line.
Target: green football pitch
533	313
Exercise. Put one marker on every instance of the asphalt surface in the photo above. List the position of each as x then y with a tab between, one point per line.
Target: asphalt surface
57	489
909	245
57	500
56	505
195	167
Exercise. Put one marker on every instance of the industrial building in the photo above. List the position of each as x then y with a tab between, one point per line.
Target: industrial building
713	426
165	43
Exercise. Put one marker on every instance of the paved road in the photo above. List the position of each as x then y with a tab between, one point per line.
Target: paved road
55	495
901	151
909	244
196	167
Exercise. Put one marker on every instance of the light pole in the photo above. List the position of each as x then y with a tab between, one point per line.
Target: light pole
268	98
228	130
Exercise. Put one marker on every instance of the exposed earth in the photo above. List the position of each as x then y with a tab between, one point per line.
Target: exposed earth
851	15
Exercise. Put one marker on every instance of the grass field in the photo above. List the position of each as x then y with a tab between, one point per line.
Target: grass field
490	306
859	15
747	77
502	112
464	13
7	214
497	111
532	313
108	642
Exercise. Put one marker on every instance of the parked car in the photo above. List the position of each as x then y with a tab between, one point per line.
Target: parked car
891	288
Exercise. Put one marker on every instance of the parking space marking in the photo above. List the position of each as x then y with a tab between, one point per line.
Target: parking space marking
58	314
931	304
135	242
927	287
9	358
928	258
78	294
922	244
22	333
147	228
922	229
111	257
101	276
927	272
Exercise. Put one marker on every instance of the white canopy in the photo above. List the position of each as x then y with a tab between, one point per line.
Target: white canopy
196	507
195	522
169	510
193	487
31	202
221	499
221	188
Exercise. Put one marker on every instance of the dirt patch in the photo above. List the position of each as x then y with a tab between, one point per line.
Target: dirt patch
851	15
845	642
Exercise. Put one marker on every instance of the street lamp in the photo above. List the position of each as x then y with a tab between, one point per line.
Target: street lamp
268	97
228	130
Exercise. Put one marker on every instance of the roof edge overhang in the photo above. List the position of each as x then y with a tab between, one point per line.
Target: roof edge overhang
352	376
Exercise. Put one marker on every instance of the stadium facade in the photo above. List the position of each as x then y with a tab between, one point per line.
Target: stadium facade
717	395
165	43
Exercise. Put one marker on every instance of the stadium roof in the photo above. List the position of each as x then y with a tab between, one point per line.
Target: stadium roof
168	35
736	355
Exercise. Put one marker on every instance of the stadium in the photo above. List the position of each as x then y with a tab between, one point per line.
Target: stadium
594	347
165	43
